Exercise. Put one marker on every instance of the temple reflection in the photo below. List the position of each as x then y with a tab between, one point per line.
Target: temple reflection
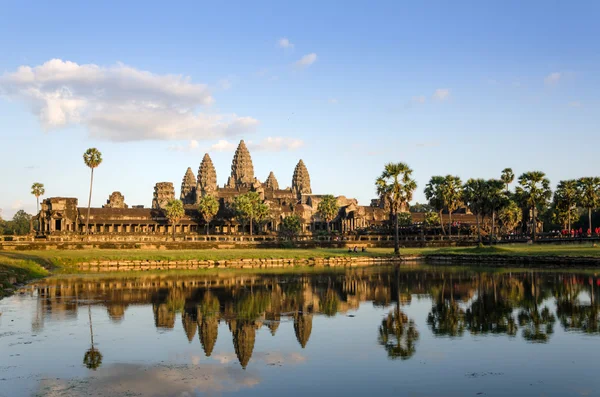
464	302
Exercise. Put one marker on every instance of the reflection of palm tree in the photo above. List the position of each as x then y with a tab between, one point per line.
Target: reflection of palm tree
537	325
490	312
572	313
92	358
446	317
398	335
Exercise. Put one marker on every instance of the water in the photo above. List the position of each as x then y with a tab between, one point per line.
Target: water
415	331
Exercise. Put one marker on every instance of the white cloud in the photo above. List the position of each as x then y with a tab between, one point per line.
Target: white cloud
191	146
552	78
119	103
575	104
269	144
333	101
419	99
306	60
225	84
285	43
441	94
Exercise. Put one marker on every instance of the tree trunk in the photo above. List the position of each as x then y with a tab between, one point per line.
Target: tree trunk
533	223
493	225
569	218
207	227
87	218
328	230
442	223
396	237
173	231
590	219
449	222
478	227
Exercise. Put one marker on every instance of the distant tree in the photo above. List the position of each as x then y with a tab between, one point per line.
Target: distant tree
418	207
208	206
510	215
565	201
474	192
263	215
92	158
396	187
589	195
20	224
431	219
405	219
451	196
495	198
246	207
507	177
328	209
291	226
174	211
534	191
37	189
434	193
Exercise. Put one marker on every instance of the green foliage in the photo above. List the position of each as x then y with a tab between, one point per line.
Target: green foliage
510	216
328	208
174	211
421	208
433	193
507	177
20	224
564	203
92	359
534	193
249	207
589	195
474	192
291	226
92	158
451	193
208	206
405	219
432	219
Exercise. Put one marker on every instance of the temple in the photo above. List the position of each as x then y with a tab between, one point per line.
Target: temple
62	215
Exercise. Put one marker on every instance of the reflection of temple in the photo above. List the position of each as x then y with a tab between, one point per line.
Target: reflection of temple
511	304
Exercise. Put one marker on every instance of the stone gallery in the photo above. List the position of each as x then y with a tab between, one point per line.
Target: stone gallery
61	215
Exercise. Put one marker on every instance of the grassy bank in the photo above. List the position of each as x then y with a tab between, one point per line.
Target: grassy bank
18	271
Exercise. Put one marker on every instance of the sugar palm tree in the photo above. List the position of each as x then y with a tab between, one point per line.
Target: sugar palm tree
535	192
92	158
507	177
451	196
589	195
174	211
208	206
37	189
328	209
474	192
510	215
495	199
434	194
396	187
565	197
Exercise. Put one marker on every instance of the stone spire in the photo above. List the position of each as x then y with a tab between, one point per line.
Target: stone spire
301	180
271	182
242	170
207	178
163	192
188	187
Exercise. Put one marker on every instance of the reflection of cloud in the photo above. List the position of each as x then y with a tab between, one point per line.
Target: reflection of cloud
134	379
271	358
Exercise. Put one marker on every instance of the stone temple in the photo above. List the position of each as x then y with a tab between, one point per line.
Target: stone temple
60	215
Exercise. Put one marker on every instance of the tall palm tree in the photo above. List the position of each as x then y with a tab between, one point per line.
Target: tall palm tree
37	189
174	211
507	177
535	192
328	208
92	158
451	196
208	206
474	192
565	197
495	199
434	194
589	195
396	187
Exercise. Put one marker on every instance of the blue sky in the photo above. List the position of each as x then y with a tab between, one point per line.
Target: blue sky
467	88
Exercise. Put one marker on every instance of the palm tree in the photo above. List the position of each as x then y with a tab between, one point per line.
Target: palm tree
37	189
208	206
328	208
495	199
565	198
434	194
451	196
474	192
534	191
507	177
510	215
92	358
589	195
174	211
396	187
92	158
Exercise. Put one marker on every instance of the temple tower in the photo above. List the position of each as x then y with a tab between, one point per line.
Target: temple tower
115	200
188	187
163	193
271	182
301	180
207	178
242	170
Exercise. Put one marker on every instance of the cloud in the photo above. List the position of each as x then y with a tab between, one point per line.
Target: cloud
190	147
418	99
441	94
285	43
17	205
225	84
306	60
333	101
269	144
552	78
119	103
575	104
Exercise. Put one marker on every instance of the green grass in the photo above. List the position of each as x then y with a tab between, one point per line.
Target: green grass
18	270
523	250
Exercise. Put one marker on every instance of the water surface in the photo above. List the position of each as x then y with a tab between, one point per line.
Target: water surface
416	331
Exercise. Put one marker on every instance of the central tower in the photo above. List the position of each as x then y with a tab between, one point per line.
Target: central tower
242	170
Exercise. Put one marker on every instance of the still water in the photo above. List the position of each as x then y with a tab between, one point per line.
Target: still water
414	331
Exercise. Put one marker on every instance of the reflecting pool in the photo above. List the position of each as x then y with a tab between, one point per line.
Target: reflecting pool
386	331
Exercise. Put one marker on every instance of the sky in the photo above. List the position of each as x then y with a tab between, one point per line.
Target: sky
465	88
